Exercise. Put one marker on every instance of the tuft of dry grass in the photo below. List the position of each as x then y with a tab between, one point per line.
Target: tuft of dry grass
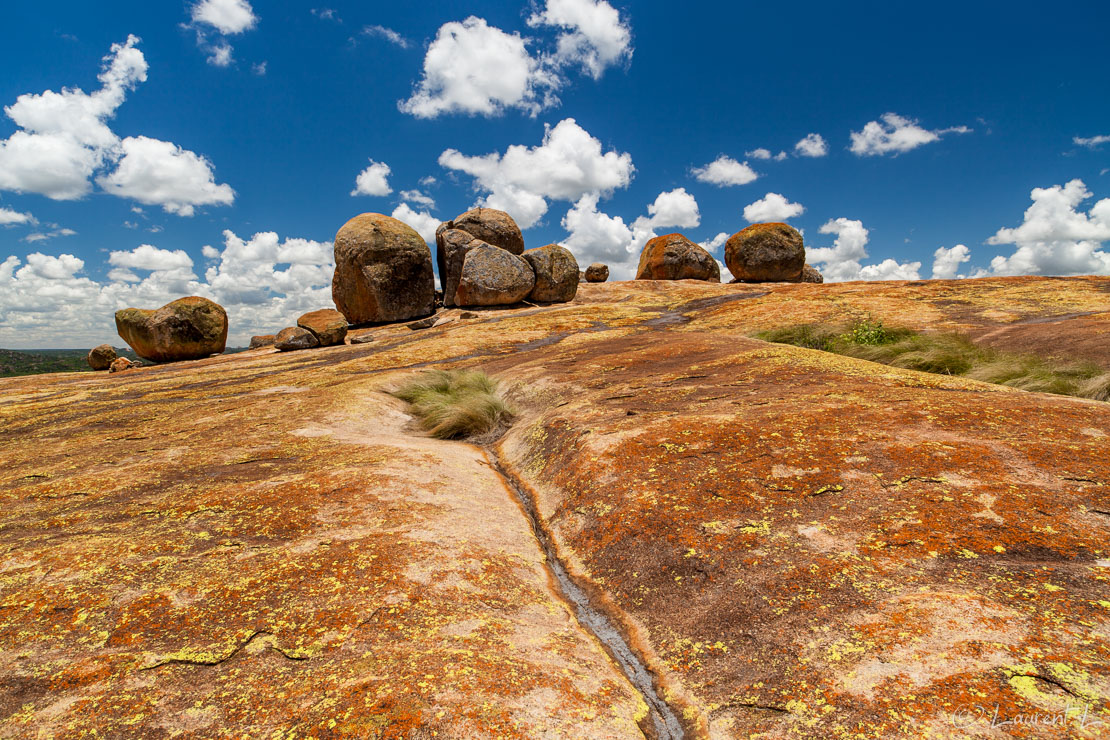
949	354
457	404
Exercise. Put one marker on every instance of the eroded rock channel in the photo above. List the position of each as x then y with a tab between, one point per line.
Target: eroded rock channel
664	723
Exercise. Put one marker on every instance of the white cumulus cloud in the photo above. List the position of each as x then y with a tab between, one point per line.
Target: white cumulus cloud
772	207
896	134
226	16
475	68
568	164
813	145
8	217
841	261
373	180
947	261
263	282
594	36
1056	237
65	141
423	222
724	171
161	173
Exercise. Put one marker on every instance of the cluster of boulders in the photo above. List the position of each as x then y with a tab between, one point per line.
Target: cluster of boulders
482	262
323	328
383	273
761	253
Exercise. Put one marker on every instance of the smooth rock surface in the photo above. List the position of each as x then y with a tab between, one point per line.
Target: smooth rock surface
771	252
674	257
492	276
383	271
556	273
189	328
804	545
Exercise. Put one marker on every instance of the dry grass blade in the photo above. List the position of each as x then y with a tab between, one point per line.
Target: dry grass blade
949	354
457	404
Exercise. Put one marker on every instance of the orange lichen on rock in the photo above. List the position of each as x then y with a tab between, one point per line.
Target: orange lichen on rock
798	543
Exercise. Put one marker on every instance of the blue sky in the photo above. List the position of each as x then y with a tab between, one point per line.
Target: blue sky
226	141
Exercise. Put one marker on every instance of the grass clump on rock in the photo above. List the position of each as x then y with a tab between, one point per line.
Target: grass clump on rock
457	404
948	354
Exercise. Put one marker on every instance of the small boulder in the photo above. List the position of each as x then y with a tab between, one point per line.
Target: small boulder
262	340
120	364
362	339
294	337
597	273
556	273
100	358
492	276
766	253
674	257
328	325
491	226
811	274
427	323
383	271
186	329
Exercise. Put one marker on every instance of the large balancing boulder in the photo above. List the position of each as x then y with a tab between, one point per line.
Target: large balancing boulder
186	329
383	271
327	325
766	253
556	273
674	257
493	277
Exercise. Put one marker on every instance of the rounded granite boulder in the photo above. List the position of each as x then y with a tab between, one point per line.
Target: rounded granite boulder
100	358
262	340
674	257
492	276
186	329
556	273
327	325
597	273
491	226
383	271
766	253
811	274
451	248
294	338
